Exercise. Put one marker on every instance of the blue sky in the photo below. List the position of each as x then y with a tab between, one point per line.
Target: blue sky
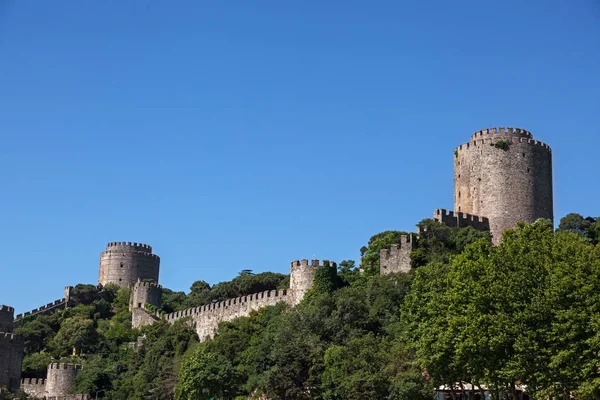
236	135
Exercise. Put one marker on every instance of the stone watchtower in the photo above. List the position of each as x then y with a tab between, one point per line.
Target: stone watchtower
124	263
145	292
11	351
302	275
61	377
504	175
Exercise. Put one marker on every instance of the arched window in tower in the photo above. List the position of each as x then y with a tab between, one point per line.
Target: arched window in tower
121	265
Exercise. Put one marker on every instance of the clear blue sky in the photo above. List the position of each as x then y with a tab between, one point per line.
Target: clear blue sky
236	135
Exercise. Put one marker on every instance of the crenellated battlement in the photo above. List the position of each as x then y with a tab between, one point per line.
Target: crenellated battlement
305	263
43	309
11	338
64	366
230	304
487	141
517	132
146	284
33	381
135	245
139	253
461	220
6	309
397	257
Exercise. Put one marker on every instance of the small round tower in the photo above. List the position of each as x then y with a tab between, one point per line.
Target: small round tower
505	175
61	377
11	359
6	318
145	292
302	275
123	263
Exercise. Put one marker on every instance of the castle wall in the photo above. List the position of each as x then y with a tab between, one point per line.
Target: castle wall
47	309
505	185
461	220
34	387
61	377
11	358
123	263
397	258
140	317
6	318
206	318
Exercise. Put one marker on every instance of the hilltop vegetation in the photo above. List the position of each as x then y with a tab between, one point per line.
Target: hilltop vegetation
523	312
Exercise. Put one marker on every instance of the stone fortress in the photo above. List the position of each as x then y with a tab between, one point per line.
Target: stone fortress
501	176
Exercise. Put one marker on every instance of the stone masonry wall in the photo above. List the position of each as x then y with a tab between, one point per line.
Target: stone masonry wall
461	220
506	185
205	319
11	358
123	263
397	258
47	309
61	377
34	387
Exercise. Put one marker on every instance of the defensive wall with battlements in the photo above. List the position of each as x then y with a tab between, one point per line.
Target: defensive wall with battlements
397	257
49	308
206	319
34	387
461	220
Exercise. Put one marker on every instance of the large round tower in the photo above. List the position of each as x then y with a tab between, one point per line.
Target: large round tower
61	377
124	263
505	175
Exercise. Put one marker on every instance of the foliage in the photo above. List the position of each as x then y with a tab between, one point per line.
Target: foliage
587	227
526	311
501	144
523	311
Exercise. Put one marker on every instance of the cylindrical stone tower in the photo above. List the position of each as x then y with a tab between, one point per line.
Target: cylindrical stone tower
124	263
61	377
145	292
504	175
6	318
302	275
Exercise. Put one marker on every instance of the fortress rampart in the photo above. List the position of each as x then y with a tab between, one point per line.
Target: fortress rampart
206	318
397	257
124	263
504	175
461	220
34	387
43	310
